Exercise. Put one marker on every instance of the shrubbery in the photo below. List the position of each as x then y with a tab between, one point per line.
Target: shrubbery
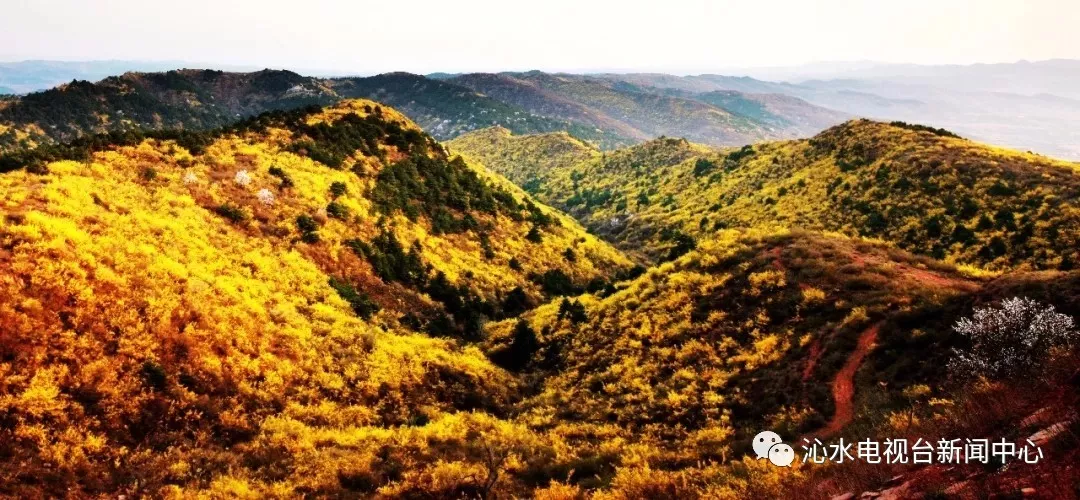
1012	340
361	304
309	229
923	128
519	353
337	210
233	213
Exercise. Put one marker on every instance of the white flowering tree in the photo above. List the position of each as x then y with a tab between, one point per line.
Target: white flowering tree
265	196
1011	340
242	178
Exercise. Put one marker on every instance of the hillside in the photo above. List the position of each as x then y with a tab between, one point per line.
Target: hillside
748	332
176	307
327	302
526	160
922	189
799	333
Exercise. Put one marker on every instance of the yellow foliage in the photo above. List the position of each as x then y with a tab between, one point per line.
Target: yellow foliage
134	316
812	295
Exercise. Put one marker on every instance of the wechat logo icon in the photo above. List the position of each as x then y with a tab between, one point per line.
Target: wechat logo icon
768	445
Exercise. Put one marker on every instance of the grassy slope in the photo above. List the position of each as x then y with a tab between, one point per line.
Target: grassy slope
935	195
523	158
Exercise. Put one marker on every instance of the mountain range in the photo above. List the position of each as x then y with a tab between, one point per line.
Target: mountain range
1022	105
1022	113
608	114
1053	76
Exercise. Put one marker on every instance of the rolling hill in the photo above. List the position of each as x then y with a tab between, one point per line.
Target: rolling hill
922	189
532	157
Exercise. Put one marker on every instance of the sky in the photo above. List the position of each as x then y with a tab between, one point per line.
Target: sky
423	36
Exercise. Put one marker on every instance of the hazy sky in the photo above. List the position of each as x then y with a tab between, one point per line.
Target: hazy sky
483	35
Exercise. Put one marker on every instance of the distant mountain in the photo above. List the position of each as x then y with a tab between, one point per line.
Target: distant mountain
1041	122
786	114
535	99
205	99
605	113
609	111
445	109
700	83
606	103
1054	76
769	104
1021	113
188	99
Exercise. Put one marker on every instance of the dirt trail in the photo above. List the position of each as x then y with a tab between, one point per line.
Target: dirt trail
843	386
922	276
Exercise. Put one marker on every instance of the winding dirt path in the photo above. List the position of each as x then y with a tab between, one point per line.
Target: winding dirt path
843	386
